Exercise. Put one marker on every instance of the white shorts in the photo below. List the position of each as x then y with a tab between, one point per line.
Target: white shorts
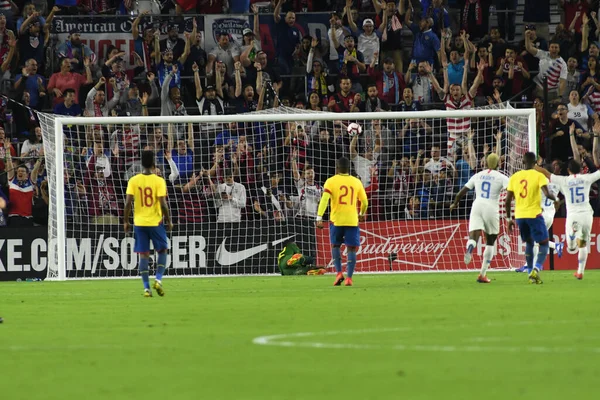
485	219
548	215
583	228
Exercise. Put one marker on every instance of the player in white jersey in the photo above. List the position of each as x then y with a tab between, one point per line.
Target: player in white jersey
548	211
485	211
580	215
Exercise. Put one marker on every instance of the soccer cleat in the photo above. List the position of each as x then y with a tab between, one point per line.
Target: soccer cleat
318	271
348	282
157	285
469	255
147	293
339	278
534	277
483	279
560	247
578	276
522	269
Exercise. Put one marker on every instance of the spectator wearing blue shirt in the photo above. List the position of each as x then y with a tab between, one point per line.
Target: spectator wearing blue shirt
435	9
239	6
29	80
456	67
288	39
426	46
408	102
467	164
165	66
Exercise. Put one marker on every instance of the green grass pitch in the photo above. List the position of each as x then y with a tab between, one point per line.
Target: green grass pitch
415	336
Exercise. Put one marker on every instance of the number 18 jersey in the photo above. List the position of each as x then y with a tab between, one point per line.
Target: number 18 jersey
576	189
488	184
146	191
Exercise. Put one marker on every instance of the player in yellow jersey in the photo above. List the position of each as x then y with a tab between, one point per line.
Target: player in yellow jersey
148	194
344	191
526	187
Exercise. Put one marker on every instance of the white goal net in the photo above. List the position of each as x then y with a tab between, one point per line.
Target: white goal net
279	161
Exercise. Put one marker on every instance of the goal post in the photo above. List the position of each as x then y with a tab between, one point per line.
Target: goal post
89	160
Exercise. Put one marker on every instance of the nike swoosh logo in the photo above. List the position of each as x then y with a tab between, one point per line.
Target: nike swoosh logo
225	257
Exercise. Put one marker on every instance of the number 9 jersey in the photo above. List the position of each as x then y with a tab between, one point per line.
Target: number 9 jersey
485	212
146	191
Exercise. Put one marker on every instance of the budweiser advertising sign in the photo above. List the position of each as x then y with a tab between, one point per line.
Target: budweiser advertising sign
430	245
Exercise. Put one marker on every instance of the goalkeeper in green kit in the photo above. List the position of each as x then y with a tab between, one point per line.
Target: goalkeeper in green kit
292	262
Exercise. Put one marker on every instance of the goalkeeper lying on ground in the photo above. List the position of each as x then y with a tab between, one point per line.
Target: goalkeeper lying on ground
292	262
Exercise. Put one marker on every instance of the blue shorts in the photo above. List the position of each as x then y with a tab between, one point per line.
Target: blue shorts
533	228
348	235
144	234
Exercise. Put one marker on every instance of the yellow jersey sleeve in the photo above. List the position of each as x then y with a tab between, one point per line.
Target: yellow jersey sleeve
162	188
130	187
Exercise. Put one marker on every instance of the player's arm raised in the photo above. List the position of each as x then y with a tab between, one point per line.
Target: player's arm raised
543	171
364	202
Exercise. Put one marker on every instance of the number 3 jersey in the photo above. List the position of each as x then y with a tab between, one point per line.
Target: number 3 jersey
488	184
576	189
146	191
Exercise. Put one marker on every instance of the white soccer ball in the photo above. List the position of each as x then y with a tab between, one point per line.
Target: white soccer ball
354	129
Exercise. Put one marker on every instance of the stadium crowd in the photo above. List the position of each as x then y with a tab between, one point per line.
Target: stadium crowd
406	55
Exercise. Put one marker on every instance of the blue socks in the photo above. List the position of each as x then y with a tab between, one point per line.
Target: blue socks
529	255
161	262
336	253
544	249
144	272
351	263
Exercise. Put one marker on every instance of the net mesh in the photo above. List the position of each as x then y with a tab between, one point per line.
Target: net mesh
410	169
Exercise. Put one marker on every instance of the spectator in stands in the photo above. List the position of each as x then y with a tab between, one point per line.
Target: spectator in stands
288	38
336	34
244	160
560	148
368	40
314	103
192	199
413	208
173	42
29	13
197	53
389	83
569	46
389	20
588	48
33	35
126	139
309	191
551	66
227	83
435	10
134	104
457	64
270	200
96	104
372	102
317	78
537	12
25	117
578	111
211	101
537	42
426	46
420	81
457	97
413	137
496	39
322	155
5	147
104	206
466	165
171	103
251	40
475	17
20	191
362	164
75	51
32	148
520	72
165	66
408	102
65	80
230	198
245	100
344	100
144	42
183	156
501	90
573	76
8	48
3	208
352	62
35	84
226	51
68	106
437	162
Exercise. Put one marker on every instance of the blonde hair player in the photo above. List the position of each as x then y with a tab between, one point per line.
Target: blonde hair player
485	212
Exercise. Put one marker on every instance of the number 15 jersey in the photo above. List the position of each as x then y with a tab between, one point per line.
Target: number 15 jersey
488	184
146	191
576	189
345	191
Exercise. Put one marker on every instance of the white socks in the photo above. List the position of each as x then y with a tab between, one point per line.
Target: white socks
488	254
582	257
471	243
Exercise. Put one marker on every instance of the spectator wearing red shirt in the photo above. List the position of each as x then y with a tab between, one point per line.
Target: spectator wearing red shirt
574	9
20	191
344	99
390	84
65	79
521	73
4	147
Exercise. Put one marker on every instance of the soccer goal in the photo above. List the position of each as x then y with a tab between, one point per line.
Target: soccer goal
279	160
